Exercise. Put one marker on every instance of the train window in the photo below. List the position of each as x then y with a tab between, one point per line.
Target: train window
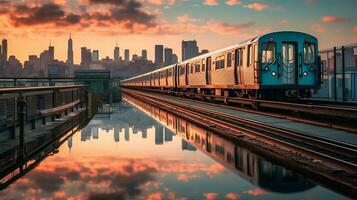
197	67
203	65
182	70
249	55
192	69
229	59
220	62
309	53
170	72
268	53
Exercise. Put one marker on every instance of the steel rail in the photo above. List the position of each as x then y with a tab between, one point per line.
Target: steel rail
326	149
348	112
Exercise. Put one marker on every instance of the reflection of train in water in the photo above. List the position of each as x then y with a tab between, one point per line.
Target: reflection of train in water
238	159
272	65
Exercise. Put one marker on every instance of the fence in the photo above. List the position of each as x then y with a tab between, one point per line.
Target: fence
339	81
27	108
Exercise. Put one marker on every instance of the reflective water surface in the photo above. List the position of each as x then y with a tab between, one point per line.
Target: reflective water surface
141	152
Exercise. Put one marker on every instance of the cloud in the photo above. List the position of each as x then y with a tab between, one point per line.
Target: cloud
257	192
47	13
318	28
186	177
334	19
186	19
211	2
232	196
233	2
257	6
210	195
156	2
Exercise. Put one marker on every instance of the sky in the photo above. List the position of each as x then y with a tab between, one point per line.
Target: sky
30	25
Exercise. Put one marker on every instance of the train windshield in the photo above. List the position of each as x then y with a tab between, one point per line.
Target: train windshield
268	53
309	53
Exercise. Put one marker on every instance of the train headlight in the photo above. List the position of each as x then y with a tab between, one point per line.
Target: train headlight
266	68
273	73
305	73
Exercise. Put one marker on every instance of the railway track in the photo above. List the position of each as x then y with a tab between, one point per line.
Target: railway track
341	155
336	123
342	110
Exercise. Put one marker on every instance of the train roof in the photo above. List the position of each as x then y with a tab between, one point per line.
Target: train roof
234	46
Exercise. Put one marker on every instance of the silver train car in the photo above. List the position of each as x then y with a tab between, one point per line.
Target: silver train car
268	66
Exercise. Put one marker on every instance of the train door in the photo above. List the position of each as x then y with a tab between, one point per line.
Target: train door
289	63
238	61
208	71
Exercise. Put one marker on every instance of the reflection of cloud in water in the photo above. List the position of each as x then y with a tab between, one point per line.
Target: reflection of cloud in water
105	178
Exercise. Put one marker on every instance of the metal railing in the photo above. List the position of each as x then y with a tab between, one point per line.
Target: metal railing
30	107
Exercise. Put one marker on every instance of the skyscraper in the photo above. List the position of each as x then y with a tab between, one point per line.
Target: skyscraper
4	52
144	54
86	57
168	56
70	51
189	49
159	52
95	56
174	58
116	54
51	51
126	55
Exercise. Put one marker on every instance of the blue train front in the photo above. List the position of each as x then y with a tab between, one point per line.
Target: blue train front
289	63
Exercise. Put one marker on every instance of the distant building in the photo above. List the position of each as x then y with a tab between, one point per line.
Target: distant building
86	57
95	56
135	57
204	51
174	58
57	70
51	52
14	66
126	56
189	49
159	52
70	51
116	55
168	56
144	54
4	53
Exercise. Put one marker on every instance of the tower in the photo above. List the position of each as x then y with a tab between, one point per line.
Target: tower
116	54
159	52
70	51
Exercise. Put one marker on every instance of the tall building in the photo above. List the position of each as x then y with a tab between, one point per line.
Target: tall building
159	134
168	56
86	57
126	59
116	54
3	53
189	49
70	51
174	58
159	52
144	54
51	51
95	56
135	57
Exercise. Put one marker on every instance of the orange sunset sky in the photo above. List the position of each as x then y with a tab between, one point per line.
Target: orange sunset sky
30	25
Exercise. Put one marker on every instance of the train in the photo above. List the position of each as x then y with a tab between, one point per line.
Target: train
269	66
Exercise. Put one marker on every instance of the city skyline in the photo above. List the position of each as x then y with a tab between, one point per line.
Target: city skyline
166	22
